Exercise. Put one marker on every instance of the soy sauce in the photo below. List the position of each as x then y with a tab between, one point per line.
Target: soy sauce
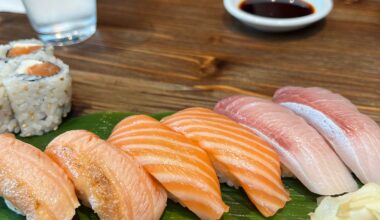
277	8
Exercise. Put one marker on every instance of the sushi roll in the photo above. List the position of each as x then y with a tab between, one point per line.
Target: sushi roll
39	92
11	55
21	48
32	184
14	52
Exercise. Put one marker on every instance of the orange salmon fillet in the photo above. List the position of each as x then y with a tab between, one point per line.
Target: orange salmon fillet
240	157
179	164
18	51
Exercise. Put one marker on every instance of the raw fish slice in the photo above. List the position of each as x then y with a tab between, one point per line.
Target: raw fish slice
180	165
107	179
302	150
34	184
354	136
240	157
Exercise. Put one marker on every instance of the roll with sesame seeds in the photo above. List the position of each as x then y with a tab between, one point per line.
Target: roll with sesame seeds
39	92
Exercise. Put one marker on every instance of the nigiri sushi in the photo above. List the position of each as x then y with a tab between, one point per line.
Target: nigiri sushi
240	157
354	136
302	150
107	179
33	184
181	166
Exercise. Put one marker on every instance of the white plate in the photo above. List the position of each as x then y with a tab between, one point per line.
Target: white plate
322	9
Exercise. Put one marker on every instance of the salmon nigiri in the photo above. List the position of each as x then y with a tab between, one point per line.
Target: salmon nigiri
181	166
33	184
240	157
107	179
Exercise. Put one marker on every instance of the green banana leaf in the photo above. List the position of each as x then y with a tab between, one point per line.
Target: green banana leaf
302	201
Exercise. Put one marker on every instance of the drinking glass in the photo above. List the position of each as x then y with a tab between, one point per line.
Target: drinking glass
62	22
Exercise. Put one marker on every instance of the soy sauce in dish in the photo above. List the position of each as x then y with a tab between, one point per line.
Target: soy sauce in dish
277	8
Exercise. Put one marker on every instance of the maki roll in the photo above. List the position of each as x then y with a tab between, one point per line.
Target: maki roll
35	88
11	55
39	92
14	52
21	48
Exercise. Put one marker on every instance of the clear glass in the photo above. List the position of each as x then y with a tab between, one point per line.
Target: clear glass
62	22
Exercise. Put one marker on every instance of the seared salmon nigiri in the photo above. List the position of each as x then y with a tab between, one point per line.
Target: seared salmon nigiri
178	163
107	179
33	184
240	157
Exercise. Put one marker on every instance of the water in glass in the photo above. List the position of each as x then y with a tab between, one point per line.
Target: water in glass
62	22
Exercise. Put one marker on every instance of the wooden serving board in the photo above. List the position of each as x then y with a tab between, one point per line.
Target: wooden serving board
302	203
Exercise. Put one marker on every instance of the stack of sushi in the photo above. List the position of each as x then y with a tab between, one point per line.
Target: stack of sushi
35	88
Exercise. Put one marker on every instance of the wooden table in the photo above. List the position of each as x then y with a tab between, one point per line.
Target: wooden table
165	55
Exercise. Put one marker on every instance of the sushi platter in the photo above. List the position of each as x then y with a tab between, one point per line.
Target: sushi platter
303	201
247	158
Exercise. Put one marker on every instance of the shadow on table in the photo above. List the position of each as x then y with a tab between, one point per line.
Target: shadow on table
237	26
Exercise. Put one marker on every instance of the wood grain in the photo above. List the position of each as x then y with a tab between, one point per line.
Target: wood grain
164	55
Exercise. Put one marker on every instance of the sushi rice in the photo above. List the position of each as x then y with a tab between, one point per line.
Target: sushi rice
13	208
7	121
